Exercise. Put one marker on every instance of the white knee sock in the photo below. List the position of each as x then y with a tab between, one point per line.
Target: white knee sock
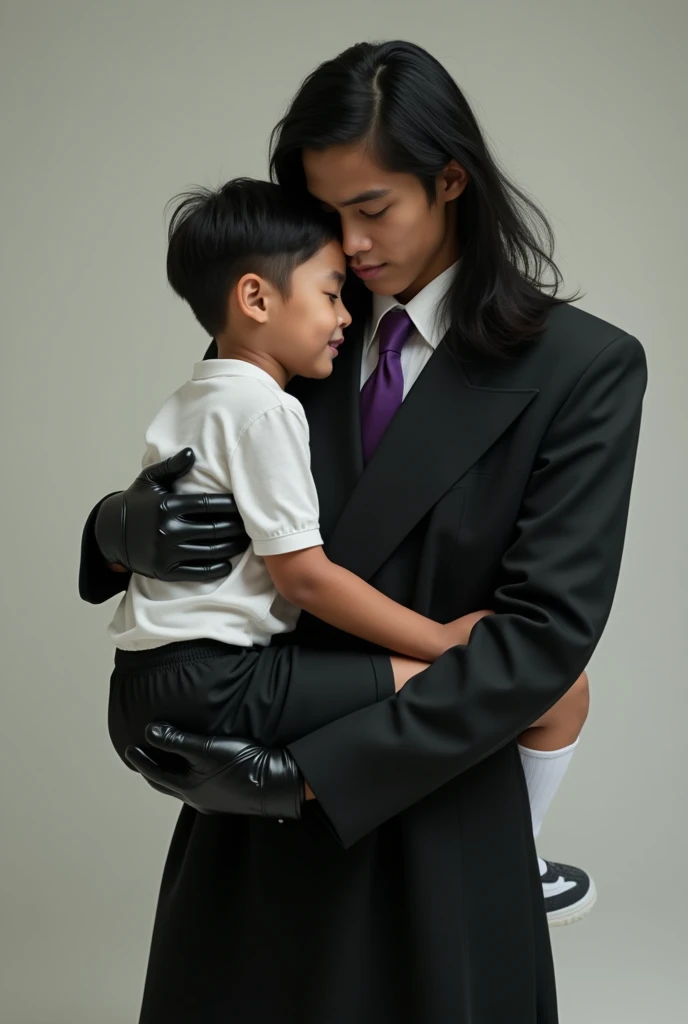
544	770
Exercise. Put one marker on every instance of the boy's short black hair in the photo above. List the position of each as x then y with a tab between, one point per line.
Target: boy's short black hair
217	235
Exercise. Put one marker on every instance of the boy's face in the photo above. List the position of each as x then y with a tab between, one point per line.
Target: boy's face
396	240
310	322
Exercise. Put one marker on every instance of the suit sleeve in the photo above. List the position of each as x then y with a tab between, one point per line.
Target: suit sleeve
97	583
555	593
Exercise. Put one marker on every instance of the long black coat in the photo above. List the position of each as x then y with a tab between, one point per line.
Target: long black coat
411	894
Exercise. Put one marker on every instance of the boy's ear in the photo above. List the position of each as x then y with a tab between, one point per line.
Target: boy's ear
252	295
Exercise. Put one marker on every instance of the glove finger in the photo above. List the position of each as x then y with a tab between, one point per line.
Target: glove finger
199	532
150	770
189	745
216	506
206	553
170	469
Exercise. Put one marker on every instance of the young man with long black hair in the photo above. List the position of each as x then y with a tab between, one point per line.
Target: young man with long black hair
500	479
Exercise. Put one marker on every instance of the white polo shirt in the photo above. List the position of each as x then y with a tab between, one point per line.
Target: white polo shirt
250	439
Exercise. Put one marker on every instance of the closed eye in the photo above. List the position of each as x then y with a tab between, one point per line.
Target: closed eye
330	295
374	216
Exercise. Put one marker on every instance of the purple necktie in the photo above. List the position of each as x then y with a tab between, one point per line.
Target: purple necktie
383	392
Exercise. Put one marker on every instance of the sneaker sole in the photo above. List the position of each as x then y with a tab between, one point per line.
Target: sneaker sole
576	912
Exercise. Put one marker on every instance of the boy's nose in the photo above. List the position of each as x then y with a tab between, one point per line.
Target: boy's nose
344	316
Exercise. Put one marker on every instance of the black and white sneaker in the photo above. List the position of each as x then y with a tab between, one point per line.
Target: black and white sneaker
569	893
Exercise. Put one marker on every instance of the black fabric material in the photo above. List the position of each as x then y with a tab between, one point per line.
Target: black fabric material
259	693
499	485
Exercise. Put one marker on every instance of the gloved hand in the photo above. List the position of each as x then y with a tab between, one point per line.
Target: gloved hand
222	774
153	531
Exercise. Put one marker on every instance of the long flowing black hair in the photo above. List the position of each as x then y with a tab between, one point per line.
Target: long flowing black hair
399	100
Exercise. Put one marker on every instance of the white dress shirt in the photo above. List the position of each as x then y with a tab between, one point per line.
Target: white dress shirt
251	439
430	329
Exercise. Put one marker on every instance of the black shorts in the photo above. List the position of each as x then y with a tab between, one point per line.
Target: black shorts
269	694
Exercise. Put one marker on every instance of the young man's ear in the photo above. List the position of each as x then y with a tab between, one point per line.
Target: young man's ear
252	295
451	181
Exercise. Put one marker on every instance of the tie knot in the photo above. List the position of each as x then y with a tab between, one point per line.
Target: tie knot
395	328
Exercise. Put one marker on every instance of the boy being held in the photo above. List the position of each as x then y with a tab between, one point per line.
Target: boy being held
263	277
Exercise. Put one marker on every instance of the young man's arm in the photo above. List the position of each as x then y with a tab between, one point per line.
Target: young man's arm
552	602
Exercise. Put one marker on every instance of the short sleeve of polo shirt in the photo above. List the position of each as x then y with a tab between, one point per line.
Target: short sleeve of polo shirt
272	483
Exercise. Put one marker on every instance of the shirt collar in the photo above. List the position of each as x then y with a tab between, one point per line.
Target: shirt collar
422	309
232	368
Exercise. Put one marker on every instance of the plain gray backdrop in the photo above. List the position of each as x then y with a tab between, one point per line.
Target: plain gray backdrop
110	108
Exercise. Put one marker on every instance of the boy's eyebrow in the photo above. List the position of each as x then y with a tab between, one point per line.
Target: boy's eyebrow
367	197
336	275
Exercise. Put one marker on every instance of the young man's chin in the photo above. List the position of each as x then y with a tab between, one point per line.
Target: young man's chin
388	283
382	286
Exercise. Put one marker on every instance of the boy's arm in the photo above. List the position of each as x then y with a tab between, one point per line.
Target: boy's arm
309	580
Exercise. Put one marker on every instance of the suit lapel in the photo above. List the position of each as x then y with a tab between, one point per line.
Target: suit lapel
442	428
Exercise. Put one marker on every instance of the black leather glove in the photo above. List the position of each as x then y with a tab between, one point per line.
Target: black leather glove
153	531
221	774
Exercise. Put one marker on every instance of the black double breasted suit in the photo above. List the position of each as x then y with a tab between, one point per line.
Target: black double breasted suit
410	893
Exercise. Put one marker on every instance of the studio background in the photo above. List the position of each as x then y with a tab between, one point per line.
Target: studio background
107	109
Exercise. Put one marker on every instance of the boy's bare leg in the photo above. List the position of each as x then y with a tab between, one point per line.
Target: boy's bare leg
404	669
562	724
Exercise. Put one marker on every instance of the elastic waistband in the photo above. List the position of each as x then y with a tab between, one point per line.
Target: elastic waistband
174	654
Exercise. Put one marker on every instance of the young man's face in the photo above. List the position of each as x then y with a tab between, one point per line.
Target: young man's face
311	320
395	239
